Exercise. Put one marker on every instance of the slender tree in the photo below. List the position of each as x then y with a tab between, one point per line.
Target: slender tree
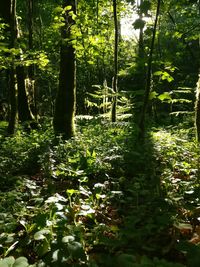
141	34
149	74
197	111
31	68
115	78
65	101
140	69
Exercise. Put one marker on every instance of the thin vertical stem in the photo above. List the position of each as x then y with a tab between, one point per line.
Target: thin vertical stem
115	78
148	80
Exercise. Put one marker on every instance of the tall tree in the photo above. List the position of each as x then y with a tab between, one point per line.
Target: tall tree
114	104
31	68
8	13
66	96
139	73
141	33
149	74
197	111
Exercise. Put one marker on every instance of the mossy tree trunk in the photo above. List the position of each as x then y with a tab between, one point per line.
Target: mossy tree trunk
24	111
12	82
65	102
18	100
8	13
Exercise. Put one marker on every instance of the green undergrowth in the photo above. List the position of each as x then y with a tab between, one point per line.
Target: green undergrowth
101	198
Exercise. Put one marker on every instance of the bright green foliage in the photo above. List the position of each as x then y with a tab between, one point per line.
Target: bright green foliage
91	201
11	262
103	199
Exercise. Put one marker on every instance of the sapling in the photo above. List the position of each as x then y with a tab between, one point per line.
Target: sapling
197	122
197	110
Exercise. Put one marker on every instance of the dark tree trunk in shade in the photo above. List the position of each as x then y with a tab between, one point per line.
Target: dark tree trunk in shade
114	103
148	79
65	101
8	14
197	111
24	112
12	102
5	10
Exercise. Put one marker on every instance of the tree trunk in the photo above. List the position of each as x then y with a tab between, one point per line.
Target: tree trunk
114	103
8	13
24	111
148	80
140	68
31	68
12	102
65	102
197	111
141	35
5	10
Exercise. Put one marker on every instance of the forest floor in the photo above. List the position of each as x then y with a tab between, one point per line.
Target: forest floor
101	198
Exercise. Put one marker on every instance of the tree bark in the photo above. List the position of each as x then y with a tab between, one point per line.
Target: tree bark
31	68
8	13
5	10
148	79
24	111
141	35
12	121
66	96
115	77
197	111
140	68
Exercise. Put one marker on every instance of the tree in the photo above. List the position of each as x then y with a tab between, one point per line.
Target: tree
8	13
114	104
65	101
149	74
24	112
197	111
31	68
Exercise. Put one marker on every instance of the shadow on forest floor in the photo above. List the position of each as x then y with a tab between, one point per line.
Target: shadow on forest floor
161	197
147	227
101	198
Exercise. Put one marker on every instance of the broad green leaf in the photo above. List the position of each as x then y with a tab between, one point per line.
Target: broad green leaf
158	73
153	95
21	262
40	235
58	9
68	8
7	262
68	238
165	96
72	191
56	198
